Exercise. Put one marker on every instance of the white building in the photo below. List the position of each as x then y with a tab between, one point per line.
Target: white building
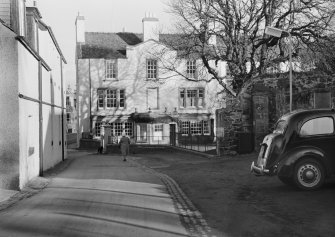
123	81
31	95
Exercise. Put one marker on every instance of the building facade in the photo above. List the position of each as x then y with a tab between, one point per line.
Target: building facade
123	81
31	95
71	111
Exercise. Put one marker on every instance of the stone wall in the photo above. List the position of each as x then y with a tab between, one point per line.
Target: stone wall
305	85
232	121
239	115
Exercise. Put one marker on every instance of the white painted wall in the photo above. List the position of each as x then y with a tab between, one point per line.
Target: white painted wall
28	73
29	141
9	110
132	78
83	91
5	11
29	116
52	93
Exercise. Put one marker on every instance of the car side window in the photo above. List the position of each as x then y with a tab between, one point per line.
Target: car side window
317	126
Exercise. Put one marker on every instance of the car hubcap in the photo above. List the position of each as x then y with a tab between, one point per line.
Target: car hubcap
309	175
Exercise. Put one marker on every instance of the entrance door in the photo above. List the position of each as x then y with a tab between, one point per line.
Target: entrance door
142	132
172	134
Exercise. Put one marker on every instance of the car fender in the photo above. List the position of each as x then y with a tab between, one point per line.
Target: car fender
287	163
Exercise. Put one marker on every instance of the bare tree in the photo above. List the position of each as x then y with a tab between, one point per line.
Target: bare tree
239	29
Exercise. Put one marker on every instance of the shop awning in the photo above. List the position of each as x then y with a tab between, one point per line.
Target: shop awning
111	119
152	117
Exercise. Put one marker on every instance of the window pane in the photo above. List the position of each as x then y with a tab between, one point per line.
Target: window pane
185	125
100	98
110	69
128	129
318	126
111	98
195	127
182	98
151	69
206	126
201	97
158	132
118	129
122	98
191	97
191	68
97	129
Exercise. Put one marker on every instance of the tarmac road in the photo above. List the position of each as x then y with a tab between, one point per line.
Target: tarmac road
96	195
238	204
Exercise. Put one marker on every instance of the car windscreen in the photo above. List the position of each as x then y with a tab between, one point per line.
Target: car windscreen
280	127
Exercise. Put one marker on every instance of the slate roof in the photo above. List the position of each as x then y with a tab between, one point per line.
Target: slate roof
113	45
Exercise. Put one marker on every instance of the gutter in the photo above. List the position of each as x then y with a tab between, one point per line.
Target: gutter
23	41
53	39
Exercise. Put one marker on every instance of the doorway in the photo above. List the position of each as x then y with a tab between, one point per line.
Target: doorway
142	132
172	134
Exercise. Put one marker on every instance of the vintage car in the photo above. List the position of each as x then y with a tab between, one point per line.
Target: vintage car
300	150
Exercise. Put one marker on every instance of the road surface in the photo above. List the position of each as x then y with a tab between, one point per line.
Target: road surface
96	195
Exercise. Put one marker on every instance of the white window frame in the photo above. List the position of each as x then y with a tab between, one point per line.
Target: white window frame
122	98
101	92
197	101
97	128
191	69
111	99
110	69
158	132
151	69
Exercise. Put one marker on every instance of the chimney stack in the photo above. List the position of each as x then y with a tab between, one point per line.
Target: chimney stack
150	27
18	17
80	29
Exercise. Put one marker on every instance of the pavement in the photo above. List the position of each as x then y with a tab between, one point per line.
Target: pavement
6	194
100	195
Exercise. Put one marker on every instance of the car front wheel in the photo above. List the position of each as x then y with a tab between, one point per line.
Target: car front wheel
309	174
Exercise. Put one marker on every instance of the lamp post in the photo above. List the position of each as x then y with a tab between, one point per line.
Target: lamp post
277	33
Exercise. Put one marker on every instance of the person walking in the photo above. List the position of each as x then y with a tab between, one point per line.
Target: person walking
124	146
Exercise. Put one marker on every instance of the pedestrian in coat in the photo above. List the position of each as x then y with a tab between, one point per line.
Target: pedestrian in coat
124	146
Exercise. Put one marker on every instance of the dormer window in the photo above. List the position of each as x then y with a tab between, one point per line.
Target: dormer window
151	69
111	69
191	69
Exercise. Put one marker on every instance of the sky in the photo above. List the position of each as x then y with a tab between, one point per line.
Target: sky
100	16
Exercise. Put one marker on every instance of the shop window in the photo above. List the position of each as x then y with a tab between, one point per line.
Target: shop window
158	132
97	128
195	127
